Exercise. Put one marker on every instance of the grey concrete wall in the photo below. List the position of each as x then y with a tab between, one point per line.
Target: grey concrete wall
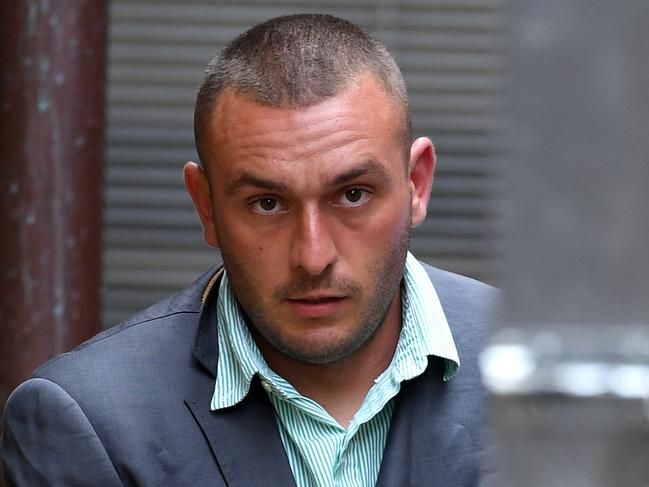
577	240
568	369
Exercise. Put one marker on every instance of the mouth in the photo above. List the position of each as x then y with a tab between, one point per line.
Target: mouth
316	306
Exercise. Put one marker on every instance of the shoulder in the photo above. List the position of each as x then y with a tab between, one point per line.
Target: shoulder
112	399
470	307
456	286
41	421
464	296
153	339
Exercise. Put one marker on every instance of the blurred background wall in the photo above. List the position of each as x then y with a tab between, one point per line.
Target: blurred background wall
453	56
568	368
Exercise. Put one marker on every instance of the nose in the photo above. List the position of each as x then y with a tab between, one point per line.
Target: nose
313	248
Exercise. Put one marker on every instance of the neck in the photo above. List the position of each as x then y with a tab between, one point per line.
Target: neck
340	387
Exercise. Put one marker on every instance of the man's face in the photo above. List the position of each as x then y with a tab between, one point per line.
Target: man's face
312	210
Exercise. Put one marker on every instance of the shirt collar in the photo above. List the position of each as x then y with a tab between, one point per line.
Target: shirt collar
425	332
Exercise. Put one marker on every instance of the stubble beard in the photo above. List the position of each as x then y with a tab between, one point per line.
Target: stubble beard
388	281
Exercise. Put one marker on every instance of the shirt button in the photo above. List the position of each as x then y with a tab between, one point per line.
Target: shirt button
266	386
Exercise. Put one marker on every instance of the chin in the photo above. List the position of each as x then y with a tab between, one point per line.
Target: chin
318	350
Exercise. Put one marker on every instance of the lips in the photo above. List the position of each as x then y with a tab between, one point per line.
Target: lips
316	306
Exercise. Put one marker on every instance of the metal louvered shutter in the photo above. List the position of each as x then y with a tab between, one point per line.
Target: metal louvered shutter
452	54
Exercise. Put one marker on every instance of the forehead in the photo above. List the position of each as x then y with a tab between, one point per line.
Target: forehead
362	121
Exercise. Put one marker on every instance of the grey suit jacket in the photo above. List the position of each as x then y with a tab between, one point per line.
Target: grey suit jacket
131	407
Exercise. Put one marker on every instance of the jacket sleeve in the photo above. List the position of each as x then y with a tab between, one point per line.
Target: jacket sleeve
48	440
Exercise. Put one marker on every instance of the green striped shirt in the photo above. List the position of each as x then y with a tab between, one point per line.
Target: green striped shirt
320	451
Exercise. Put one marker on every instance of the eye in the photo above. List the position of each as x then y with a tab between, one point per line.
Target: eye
267	206
352	197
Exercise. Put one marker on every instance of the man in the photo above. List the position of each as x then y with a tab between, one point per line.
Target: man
322	353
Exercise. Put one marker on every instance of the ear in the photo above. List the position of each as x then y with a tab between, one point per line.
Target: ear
421	167
198	188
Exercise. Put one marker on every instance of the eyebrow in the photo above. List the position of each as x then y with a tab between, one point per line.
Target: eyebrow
370	167
249	179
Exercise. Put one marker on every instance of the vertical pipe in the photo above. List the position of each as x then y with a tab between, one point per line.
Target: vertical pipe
52	85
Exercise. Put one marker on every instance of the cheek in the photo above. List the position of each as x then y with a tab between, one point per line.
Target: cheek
380	230
375	241
260	256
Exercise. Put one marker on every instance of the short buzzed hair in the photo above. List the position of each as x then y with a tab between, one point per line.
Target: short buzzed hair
296	61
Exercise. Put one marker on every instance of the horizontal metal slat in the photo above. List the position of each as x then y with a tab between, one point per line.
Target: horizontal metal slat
139	135
170	156
146	197
158	278
152	259
118	238
143	218
153	177
129	300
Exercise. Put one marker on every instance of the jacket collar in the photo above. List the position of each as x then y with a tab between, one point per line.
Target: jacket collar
425	444
205	349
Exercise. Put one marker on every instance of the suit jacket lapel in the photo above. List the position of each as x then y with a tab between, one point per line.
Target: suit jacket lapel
424	441
243	438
